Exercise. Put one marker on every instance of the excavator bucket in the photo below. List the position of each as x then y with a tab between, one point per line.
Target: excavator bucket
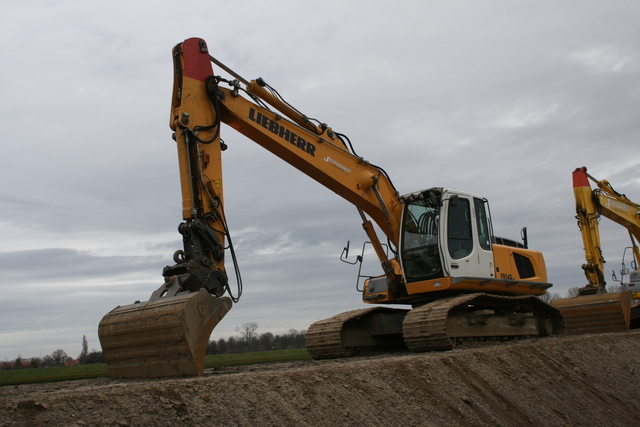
592	314
161	338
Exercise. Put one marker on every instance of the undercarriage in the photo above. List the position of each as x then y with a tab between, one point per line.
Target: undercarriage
438	325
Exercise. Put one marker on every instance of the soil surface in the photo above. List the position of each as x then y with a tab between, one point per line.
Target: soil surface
568	381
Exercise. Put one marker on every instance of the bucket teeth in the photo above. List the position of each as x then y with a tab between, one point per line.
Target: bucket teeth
161	338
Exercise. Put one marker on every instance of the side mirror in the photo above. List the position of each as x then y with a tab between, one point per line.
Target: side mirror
345	254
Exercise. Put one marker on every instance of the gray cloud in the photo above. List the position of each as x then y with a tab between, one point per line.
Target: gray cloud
62	263
497	98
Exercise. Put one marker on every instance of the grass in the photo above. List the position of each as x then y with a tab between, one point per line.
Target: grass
256	357
81	372
53	374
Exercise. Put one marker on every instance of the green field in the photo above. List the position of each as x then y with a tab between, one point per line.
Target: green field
81	372
256	357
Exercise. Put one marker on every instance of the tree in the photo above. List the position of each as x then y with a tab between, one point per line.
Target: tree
290	340
95	357
232	345
59	357
298	338
549	296
222	346
17	364
47	361
247	332
212	348
36	362
573	292
266	341
85	351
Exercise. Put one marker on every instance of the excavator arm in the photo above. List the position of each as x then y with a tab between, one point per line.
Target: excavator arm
619	209
254	109
138	340
594	309
317	151
590	206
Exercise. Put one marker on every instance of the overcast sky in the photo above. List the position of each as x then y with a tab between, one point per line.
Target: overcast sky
499	98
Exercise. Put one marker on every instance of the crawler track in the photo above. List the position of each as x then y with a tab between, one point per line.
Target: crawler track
439	325
353	331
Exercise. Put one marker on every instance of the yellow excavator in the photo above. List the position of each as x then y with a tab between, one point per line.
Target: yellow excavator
440	258
594	310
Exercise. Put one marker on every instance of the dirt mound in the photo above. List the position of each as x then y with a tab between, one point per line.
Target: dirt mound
584	380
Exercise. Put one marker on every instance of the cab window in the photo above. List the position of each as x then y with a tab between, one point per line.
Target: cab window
459	235
420	255
483	224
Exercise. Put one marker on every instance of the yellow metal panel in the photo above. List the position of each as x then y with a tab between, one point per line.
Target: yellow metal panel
426	286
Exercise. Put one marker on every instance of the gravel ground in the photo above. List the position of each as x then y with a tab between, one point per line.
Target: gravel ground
567	381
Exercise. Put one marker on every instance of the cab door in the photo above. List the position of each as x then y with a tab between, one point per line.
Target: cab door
466	240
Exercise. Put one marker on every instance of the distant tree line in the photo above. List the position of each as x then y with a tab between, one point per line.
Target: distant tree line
57	358
249	340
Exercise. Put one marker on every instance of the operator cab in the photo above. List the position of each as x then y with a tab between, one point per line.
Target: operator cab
445	233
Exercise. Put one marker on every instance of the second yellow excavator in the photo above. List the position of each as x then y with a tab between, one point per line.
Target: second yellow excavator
594	310
440	257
